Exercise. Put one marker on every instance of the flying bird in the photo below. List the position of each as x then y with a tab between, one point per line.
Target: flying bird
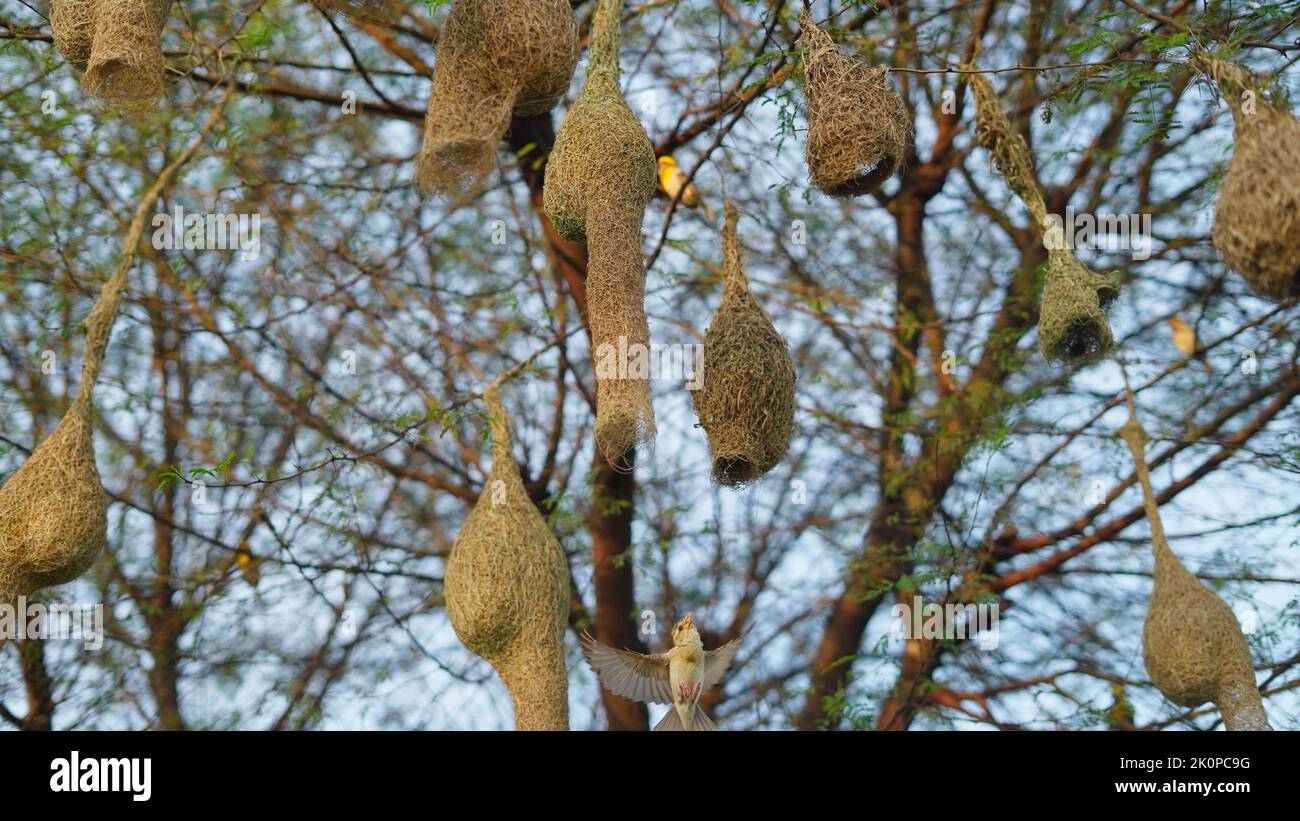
1185	342
671	180
678	677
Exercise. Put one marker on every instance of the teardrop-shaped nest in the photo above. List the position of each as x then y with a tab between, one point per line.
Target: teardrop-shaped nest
858	127
53	510
600	177
495	59
746	400
1195	651
1073	324
1257	217
126	64
1192	645
507	588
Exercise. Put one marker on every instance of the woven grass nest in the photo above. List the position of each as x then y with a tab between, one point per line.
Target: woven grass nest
1192	644
1257	217
496	58
53	510
746	401
507	588
1073	326
599	179
858	127
117	44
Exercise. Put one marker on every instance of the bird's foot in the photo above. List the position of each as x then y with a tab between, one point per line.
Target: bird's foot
688	691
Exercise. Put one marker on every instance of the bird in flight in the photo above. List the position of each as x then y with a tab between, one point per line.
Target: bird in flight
1185	341
678	677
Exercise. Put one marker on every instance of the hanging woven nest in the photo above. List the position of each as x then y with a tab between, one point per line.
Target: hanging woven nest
73	25
53	510
495	59
507	588
746	401
858	127
1073	326
1192	644
118	43
599	179
1257	217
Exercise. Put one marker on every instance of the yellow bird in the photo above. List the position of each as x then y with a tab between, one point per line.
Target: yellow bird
249	566
1185	342
671	180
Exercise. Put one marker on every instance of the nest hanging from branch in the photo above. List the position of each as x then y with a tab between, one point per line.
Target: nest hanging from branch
599	179
858	127
1192	644
117	43
1257	217
507	588
496	59
1073	326
746	401
53	509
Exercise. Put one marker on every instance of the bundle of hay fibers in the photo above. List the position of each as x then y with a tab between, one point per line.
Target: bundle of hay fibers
496	58
599	179
1192	645
1257	217
746	400
1072	327
858	127
507	588
117	43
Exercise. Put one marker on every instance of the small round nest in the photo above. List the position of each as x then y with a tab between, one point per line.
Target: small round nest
1191	643
600	177
746	400
507	588
495	59
1073	326
858	127
1257	217
126	63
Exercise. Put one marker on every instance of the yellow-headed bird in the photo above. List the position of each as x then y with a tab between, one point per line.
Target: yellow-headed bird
1185	342
671	180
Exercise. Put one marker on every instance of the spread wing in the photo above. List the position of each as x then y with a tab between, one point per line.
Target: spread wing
718	660
630	674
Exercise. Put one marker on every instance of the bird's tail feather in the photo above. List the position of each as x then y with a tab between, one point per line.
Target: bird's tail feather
671	722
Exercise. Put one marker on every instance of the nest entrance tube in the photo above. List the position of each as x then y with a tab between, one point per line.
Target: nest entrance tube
1073	326
495	59
1257	217
599	179
507	587
858	127
1192	645
746	400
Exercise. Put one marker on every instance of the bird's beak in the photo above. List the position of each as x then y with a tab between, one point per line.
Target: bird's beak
688	621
